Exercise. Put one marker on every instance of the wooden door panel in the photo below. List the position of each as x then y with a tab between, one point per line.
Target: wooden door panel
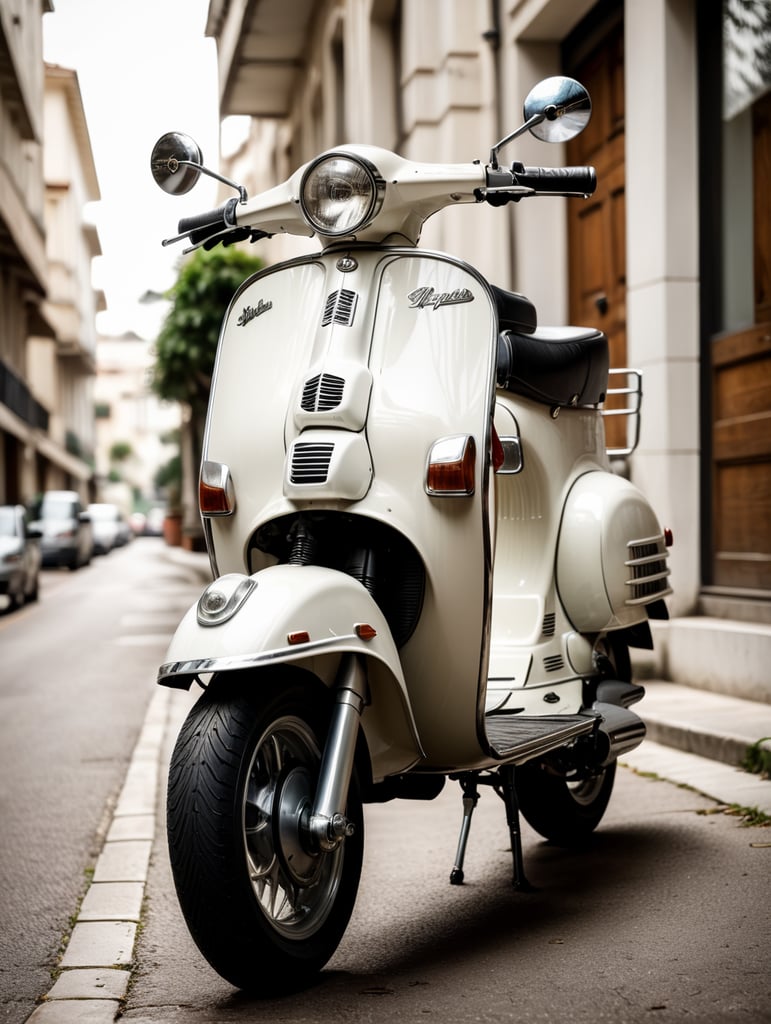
597	226
742	516
741	459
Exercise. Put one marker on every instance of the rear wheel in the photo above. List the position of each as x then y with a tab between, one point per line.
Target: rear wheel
265	906
564	809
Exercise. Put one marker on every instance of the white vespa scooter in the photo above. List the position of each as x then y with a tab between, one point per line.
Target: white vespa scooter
425	567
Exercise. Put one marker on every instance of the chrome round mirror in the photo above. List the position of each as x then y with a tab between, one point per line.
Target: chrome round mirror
560	108
171	160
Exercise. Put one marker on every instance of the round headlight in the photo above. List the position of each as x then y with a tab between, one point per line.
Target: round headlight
340	194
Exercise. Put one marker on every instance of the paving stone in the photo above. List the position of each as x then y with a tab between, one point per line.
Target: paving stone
112	901
123	862
100	944
131	826
76	1011
719	781
87	983
140	788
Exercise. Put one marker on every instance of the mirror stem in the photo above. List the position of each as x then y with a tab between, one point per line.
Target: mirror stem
531	123
242	196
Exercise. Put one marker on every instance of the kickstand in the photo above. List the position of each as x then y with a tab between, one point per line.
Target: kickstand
519	880
468	784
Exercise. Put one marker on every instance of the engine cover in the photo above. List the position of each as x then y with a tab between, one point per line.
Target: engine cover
611	554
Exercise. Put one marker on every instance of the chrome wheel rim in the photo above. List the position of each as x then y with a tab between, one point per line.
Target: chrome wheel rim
585	791
293	883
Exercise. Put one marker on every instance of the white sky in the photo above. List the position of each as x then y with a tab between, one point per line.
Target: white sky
144	68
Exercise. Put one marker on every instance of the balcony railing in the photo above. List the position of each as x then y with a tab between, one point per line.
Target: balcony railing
16	396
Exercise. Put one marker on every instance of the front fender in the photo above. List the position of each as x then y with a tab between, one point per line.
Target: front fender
285	603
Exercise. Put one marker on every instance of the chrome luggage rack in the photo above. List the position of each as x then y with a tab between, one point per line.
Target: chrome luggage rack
632	389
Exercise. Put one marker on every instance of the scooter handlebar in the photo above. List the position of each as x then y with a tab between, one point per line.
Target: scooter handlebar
582	180
509	185
201	226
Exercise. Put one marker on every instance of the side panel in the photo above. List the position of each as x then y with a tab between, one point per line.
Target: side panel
531	633
612	556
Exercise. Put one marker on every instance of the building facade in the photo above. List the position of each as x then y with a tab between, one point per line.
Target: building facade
47	303
130	417
671	257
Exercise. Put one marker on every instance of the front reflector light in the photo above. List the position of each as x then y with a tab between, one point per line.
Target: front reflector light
451	466
339	194
215	490
222	598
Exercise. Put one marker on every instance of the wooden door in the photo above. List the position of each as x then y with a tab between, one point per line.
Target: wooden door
741	408
597	226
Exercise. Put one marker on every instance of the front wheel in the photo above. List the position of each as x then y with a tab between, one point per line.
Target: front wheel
563	809
266	908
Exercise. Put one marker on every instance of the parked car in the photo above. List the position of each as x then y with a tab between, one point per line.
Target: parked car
67	536
125	533
106	526
154	521
19	556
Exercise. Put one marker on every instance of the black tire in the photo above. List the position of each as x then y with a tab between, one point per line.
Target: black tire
563	809
567	808
265	911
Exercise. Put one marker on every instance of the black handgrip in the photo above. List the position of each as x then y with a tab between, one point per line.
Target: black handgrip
203	225
582	180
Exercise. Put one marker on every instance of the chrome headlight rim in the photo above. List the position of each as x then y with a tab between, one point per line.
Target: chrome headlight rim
371	208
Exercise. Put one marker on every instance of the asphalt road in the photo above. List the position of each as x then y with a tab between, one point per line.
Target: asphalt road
663	917
77	671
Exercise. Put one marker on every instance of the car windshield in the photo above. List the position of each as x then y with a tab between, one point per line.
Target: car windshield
7	522
104	512
57	508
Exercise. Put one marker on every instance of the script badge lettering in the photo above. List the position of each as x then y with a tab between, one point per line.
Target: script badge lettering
427	297
250	312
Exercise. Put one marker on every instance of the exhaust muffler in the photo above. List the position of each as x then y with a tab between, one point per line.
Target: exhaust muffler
620	730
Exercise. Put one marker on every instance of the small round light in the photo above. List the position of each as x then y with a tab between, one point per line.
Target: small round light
213	601
340	194
222	598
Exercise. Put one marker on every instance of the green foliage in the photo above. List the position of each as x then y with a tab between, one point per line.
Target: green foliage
169	474
121	451
758	758
187	343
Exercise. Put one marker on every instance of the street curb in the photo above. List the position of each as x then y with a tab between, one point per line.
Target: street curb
96	965
717	726
727	785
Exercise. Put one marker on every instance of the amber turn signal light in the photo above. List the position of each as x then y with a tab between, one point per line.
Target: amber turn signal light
451	466
215	490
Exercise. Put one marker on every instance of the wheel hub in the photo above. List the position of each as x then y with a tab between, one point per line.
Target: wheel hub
291	835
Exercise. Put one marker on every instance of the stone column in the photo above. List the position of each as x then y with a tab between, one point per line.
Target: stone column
663	269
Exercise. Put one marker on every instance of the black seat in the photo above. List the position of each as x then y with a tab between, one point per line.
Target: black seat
566	366
515	311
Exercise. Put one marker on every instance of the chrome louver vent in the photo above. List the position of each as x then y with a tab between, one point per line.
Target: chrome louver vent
322	393
310	463
553	663
650	572
549	621
340	308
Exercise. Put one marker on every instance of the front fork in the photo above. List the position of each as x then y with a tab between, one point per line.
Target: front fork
328	825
